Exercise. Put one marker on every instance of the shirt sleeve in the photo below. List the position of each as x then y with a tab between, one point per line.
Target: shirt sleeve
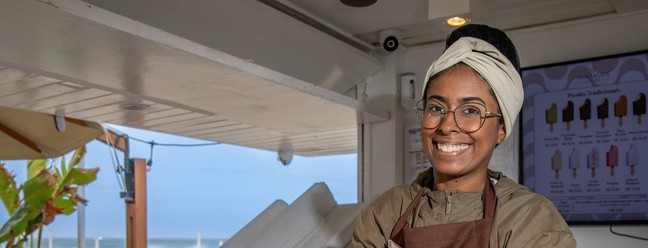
537	223
375	223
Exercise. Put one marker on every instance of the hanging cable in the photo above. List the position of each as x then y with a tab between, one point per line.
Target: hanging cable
117	168
152	143
627	235
149	164
172	144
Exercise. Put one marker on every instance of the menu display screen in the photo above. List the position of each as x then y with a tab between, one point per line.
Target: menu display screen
584	137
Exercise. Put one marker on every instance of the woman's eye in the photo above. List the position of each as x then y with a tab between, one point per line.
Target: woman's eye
471	110
435	109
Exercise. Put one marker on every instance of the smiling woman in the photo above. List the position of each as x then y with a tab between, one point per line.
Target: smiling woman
459	202
212	190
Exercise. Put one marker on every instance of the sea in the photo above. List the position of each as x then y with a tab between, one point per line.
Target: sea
121	243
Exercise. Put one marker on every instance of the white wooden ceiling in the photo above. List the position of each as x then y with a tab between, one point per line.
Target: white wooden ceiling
237	72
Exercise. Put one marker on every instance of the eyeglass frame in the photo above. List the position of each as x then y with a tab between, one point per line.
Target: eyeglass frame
445	112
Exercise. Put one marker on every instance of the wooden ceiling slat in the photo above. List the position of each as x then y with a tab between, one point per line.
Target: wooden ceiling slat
170	119
34	93
50	104
215	130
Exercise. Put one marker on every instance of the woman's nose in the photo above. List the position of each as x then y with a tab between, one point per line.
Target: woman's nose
448	124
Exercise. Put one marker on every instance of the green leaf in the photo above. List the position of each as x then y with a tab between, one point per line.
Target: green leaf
63	167
66	205
8	190
34	167
78	155
18	221
39	189
80	176
59	174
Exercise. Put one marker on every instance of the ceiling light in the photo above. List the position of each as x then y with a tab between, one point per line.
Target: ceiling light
457	21
133	106
358	3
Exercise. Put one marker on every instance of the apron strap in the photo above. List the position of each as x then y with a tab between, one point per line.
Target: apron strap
397	232
489	199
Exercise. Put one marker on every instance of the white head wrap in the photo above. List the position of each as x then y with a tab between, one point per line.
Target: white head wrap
493	66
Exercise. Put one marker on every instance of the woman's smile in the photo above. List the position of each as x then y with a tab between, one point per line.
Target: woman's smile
446	147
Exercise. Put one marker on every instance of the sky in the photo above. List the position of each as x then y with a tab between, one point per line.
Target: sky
213	190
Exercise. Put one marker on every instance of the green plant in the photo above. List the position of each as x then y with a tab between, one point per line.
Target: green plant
47	192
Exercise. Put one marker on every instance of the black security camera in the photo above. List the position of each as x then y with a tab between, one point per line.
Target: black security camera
389	41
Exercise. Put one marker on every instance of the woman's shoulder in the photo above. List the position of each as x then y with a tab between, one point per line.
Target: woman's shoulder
508	190
517	203
517	199
377	219
511	192
403	194
395	196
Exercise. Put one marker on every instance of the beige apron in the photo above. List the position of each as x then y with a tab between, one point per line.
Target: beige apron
461	234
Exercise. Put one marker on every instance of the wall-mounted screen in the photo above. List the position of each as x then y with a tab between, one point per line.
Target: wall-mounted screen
584	137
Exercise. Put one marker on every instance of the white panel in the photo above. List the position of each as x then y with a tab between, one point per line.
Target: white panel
262	222
297	221
337	230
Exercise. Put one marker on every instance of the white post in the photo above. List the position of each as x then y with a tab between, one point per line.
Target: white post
50	241
81	213
97	239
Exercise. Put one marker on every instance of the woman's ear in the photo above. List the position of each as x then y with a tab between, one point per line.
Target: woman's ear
501	135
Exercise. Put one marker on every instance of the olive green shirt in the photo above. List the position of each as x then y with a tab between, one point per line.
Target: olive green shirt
522	217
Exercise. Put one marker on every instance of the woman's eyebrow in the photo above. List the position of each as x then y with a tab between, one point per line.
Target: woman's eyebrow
472	99
438	98
461	100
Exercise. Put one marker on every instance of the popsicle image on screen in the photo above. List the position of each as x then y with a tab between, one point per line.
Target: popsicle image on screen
551	116
613	158
602	111
568	113
639	107
556	162
585	112
621	108
593	161
632	158
574	161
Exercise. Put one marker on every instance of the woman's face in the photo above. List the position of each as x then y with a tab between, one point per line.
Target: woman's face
455	154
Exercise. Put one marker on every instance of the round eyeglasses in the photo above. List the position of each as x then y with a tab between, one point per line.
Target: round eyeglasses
469	117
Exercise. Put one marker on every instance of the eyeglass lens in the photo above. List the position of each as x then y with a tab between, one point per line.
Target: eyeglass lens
468	116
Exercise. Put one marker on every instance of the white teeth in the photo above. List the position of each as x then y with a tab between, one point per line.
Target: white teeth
452	148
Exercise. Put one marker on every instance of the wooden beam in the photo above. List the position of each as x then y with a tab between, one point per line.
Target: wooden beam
136	229
112	139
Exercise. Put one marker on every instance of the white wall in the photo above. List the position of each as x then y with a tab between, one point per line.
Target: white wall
381	167
536	46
